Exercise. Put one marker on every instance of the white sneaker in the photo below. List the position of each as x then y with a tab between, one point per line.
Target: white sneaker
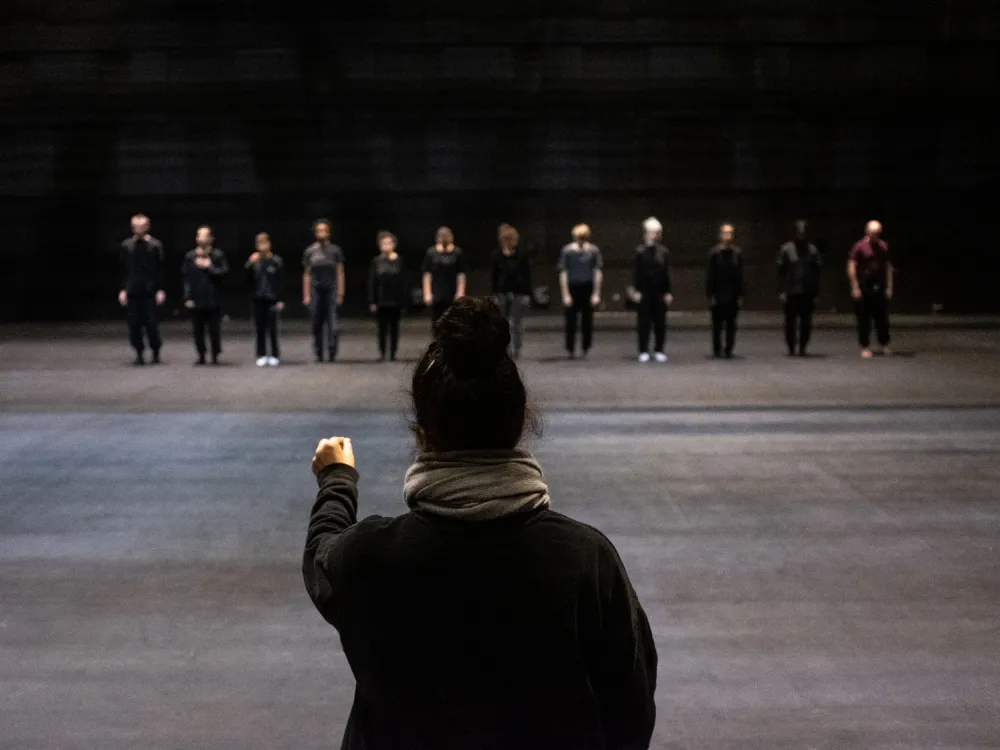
273	362
661	357
262	362
644	358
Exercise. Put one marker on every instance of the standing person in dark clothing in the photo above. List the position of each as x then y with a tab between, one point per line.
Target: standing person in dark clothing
387	293
650	289
512	282
266	273
724	288
444	274
799	264
870	272
323	288
203	271
481	618
580	279
141	260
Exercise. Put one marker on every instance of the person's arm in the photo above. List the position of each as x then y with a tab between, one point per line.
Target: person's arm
279	283
782	269
185	278
372	301
623	669
161	295
740	275
220	266
340	283
668	294
123	277
598	277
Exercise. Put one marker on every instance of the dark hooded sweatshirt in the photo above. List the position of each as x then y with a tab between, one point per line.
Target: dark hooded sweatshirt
203	286
518	632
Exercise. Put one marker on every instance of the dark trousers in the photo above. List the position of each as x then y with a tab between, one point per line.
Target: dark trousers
210	318
512	306
798	321
324	315
438	309
141	315
388	328
265	318
652	314
724	316
581	308
873	306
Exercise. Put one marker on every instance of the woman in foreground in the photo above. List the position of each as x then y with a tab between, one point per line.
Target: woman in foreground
481	618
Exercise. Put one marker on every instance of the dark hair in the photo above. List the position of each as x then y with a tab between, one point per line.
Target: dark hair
321	221
467	392
385	235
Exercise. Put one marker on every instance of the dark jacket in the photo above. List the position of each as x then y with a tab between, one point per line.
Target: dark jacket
651	270
387	282
203	286
799	264
511	274
141	266
724	280
520	632
267	278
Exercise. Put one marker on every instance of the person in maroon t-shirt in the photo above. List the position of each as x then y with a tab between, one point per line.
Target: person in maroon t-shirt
870	271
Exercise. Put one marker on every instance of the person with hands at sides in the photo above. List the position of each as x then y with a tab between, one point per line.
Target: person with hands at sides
444	274
511	274
799	264
724	289
869	269
580	277
650	289
323	288
387	293
203	270
141	261
266	274
480	618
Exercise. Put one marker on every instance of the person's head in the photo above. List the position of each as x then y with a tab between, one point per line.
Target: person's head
652	230
801	228
203	236
321	230
874	229
508	237
262	243
467	392
386	242
726	234
580	233
444	237
140	225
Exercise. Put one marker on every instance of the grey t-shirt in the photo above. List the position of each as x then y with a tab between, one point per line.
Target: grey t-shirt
320	262
580	264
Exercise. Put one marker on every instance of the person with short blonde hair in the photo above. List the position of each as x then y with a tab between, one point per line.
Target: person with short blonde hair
650	289
580	279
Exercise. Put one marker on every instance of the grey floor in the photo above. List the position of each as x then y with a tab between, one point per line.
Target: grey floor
815	541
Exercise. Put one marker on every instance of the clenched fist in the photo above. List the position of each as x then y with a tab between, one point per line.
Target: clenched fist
335	450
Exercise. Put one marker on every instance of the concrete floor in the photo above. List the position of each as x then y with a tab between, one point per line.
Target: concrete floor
819	572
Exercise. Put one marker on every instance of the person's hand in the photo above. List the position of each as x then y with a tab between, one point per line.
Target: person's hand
428	300
340	300
567	301
279	306
161	297
637	297
203	261
335	450
306	300
783	297
189	304
373	308
668	298
123	298
254	258
595	300
888	293
856	292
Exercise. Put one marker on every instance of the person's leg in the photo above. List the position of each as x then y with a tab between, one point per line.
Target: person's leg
260	322
806	316
660	325
732	311
881	315
214	317
717	329
587	314
394	314
198	321
152	326
319	307
332	326
642	324
382	323
516	319
571	313
864	323
791	315
273	322
133	316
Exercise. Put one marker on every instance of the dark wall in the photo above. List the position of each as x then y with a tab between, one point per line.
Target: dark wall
405	115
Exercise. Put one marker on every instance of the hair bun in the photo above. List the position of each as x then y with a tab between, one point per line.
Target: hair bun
473	336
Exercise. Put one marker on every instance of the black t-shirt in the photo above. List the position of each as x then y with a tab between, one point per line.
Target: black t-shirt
511	273
320	262
387	282
444	269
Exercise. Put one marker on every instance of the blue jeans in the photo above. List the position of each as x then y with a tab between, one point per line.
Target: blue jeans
324	315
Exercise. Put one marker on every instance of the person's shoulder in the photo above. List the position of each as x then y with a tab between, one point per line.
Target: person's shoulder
153	242
430	251
336	249
190	255
128	243
568	247
582	535
737	250
278	260
639	248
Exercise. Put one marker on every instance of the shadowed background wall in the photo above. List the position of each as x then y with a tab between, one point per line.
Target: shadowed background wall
264	115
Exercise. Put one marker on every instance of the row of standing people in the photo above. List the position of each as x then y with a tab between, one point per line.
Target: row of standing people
444	279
